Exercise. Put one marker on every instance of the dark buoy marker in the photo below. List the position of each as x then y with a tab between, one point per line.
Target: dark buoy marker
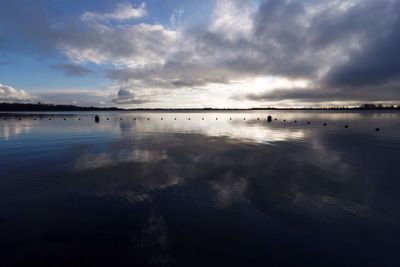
308	122
325	124
295	121
269	118
346	126
377	129
97	118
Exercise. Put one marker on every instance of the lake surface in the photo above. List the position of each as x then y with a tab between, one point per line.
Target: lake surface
200	189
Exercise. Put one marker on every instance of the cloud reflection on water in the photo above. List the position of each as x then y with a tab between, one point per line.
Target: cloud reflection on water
159	184
313	180
9	129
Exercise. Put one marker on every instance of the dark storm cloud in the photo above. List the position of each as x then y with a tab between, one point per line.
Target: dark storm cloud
126	96
386	93
282	35
298	42
378	61
73	70
365	38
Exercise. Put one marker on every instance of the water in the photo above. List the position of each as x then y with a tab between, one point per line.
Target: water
146	189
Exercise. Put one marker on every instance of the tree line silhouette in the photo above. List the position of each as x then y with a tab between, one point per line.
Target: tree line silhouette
53	107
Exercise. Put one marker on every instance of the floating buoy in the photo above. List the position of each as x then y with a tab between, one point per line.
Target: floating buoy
284	120
175	118
120	119
346	126
275	119
19	119
79	119
189	119
64	118
377	129
295	121
34	119
325	124
148	119
216	119
108	119
97	118
258	119
308	122
134	119
244	119
202	119
230	119
49	119
162	119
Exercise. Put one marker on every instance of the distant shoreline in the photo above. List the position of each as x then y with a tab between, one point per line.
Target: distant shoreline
22	107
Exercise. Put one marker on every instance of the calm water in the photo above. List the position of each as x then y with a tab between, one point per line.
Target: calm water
163	192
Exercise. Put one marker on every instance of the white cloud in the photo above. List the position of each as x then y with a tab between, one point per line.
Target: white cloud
151	56
10	94
232	19
136	46
122	12
240	46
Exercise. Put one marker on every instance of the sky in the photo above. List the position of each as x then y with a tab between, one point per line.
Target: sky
209	53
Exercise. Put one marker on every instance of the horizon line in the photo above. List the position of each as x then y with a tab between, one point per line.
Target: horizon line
4	107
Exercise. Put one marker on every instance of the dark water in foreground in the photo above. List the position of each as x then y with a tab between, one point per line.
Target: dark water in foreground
200	192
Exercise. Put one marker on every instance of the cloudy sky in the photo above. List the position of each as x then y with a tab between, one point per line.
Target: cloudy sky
209	53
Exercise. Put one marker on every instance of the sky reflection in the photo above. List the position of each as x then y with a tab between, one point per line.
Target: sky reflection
163	187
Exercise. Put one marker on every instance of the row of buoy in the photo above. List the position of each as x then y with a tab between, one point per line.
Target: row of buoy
97	119
269	119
